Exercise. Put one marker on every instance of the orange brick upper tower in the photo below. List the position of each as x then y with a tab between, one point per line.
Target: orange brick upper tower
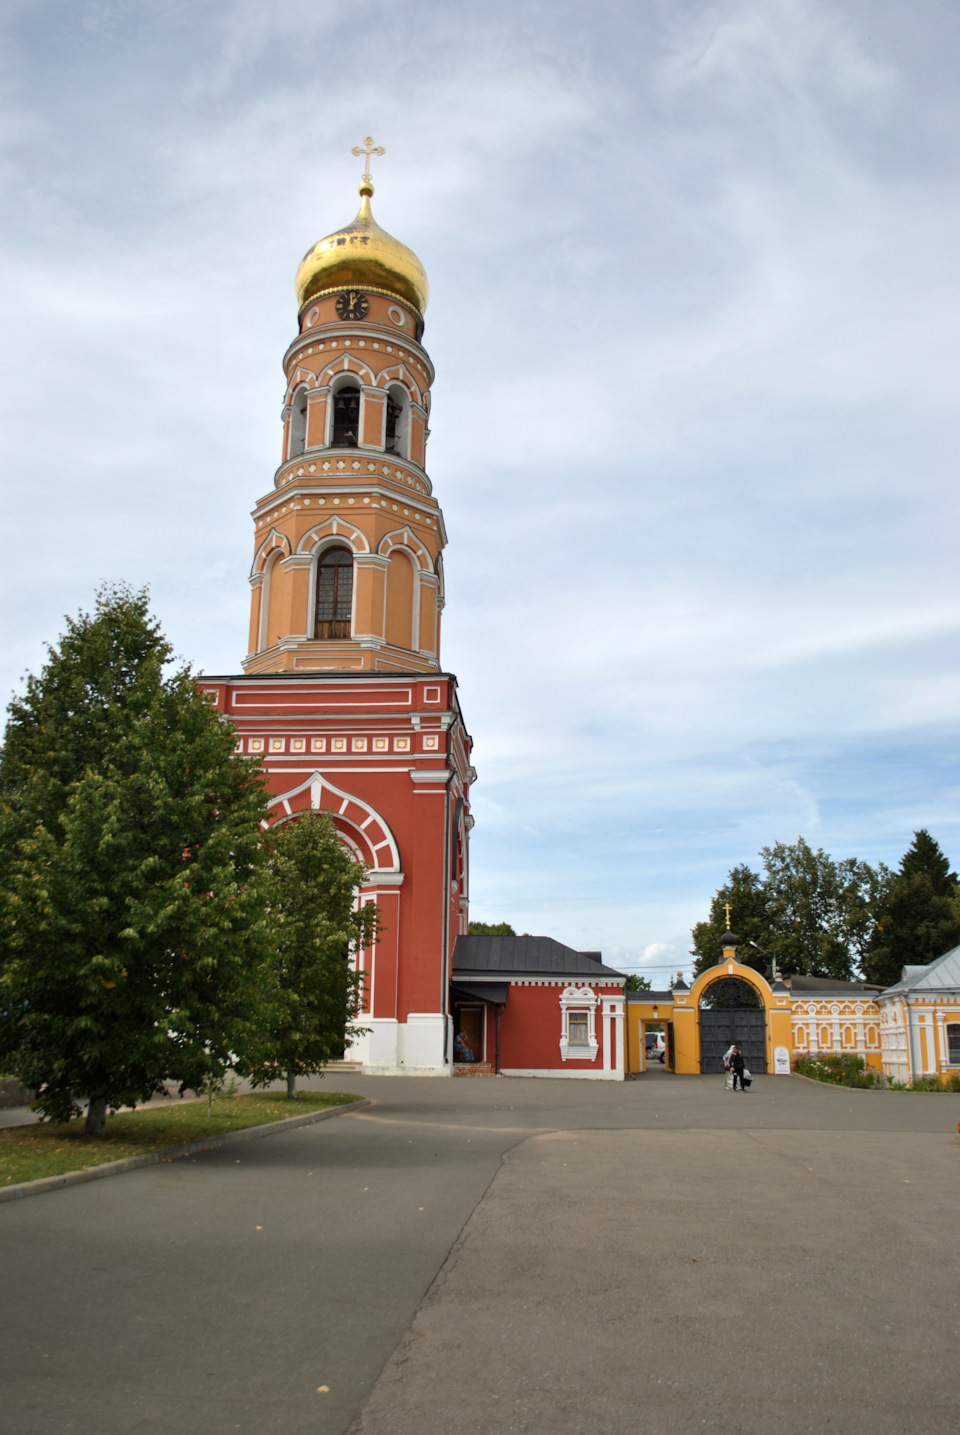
347	573
343	700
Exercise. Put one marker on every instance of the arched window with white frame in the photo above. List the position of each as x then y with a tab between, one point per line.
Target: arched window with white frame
334	601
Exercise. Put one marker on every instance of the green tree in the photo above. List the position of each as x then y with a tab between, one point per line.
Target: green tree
920	919
745	892
491	929
636	983
815	915
822	911
318	928
132	902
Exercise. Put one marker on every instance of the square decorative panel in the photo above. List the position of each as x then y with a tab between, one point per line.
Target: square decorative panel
339	744
359	744
278	744
318	744
256	744
401	744
298	744
431	695
431	742
381	744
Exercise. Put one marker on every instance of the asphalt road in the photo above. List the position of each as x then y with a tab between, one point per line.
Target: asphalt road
553	1290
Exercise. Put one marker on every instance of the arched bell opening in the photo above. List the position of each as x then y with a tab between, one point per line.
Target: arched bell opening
298	424
346	416
396	421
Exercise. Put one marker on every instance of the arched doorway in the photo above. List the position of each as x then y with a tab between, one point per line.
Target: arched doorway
731	1011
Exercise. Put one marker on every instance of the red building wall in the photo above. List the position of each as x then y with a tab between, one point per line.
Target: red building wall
389	760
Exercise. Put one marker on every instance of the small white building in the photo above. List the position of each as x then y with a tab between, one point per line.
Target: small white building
920	1020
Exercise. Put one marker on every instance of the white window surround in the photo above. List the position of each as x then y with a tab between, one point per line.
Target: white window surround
578	999
948	1060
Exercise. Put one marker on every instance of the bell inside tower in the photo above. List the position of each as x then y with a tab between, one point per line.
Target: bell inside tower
346	417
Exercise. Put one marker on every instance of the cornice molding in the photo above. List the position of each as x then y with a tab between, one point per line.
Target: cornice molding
322	334
370	453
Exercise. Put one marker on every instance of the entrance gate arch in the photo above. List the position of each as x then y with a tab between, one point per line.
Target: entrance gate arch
735	1014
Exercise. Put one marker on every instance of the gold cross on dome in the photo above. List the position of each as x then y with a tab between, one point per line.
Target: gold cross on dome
726	908
368	148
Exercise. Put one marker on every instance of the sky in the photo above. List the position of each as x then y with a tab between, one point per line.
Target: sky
694	311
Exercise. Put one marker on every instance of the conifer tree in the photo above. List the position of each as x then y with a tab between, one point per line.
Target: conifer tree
318	927
920	920
133	926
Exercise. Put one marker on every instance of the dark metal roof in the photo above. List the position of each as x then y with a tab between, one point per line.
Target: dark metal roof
826	984
495	992
479	956
649	996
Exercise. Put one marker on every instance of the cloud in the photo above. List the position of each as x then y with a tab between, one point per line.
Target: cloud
694	314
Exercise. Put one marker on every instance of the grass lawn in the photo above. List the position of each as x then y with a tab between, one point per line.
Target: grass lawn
29	1152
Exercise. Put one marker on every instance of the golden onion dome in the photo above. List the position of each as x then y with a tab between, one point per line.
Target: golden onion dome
363	256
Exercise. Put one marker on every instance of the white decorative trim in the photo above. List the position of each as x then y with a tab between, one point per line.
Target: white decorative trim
574	998
316	783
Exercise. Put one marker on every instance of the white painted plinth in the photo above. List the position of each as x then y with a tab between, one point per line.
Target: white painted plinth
396	1048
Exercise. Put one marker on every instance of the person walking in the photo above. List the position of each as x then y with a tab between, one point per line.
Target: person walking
737	1063
727	1068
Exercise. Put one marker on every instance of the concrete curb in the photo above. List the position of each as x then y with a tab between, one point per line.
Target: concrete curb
172	1153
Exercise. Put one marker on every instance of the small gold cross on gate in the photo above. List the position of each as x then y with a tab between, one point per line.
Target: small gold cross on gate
368	148
726	908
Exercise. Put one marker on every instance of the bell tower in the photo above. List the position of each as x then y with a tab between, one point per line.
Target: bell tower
343	700
347	574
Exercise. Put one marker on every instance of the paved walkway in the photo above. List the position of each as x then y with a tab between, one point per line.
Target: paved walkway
655	1256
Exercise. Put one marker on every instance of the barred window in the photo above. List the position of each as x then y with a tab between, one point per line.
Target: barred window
334	593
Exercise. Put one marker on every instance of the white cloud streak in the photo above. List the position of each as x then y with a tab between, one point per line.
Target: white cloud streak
695	317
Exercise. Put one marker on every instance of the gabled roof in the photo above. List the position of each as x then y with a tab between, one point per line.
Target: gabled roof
823	985
485	956
941	975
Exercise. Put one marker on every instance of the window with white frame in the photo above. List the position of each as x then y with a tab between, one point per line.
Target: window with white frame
334	594
953	1043
578	1028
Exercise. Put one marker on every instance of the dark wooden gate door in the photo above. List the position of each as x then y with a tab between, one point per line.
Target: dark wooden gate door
746	1027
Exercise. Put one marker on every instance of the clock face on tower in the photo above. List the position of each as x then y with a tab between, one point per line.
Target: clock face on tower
352	304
